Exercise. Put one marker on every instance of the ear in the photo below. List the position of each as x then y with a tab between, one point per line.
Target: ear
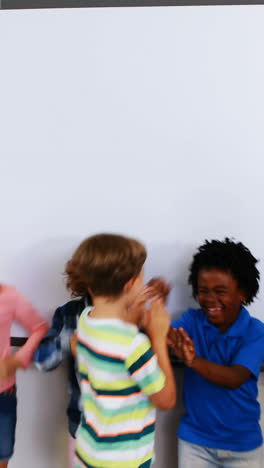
130	284
243	297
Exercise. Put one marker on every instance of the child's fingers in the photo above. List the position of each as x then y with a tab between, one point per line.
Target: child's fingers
172	333
187	340
174	345
184	335
160	286
170	343
186	351
143	296
148	291
179	339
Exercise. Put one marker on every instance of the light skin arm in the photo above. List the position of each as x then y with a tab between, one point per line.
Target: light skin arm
9	366
157	329
27	315
231	377
160	287
73	344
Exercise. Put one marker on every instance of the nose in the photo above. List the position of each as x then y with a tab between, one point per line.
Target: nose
211	299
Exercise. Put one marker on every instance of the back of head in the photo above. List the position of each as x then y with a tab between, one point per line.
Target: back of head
103	264
232	257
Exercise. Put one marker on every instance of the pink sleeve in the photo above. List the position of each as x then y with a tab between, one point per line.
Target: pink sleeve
27	316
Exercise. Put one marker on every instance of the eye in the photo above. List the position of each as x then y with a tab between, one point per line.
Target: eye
221	292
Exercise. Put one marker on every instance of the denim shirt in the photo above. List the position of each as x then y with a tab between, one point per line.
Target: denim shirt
55	348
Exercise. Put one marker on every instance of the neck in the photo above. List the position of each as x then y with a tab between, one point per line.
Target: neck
104	307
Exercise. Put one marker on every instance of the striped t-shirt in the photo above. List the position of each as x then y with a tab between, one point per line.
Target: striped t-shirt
119	371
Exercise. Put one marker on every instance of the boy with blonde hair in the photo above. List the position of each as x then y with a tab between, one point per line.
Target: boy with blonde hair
124	373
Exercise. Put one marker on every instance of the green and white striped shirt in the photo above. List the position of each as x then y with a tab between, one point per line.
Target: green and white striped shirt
119	371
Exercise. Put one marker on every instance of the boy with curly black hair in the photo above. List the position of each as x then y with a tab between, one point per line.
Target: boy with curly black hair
222	347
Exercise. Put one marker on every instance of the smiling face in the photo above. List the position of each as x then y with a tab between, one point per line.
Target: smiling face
220	297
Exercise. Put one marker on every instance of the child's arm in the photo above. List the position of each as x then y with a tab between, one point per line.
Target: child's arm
25	314
160	288
157	329
73	344
9	366
232	376
30	319
152	372
54	346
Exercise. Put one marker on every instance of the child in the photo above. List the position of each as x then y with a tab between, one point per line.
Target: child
124	374
55	348
14	307
223	349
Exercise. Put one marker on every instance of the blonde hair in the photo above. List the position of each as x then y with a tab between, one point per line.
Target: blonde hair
103	264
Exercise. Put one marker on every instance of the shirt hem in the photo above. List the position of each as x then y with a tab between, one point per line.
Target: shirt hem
215	444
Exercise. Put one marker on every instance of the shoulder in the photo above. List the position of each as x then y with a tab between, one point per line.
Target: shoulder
73	307
252	333
9	290
190	315
139	342
84	316
11	294
139	349
141	337
255	329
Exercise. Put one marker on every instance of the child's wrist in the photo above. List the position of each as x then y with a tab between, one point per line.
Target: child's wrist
16	364
158	339
190	363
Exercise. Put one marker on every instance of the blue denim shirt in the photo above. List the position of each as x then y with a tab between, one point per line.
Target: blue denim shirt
55	348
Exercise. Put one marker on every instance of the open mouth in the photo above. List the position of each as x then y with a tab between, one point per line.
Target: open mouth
214	313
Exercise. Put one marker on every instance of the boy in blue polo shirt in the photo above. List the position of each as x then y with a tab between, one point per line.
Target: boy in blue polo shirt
222	347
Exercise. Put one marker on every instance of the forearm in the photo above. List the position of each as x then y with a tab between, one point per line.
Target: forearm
53	349
9	366
25	354
230	377
48	355
15	364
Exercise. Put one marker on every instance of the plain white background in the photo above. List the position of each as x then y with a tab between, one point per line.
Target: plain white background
145	121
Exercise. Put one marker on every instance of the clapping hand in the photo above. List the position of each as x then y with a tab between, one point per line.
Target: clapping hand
182	345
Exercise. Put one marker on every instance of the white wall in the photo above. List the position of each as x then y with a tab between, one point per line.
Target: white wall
146	121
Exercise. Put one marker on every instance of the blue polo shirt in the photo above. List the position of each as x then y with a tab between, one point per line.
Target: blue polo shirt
215	416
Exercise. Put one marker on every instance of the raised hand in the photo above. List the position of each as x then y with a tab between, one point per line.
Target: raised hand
182	345
157	321
174	343
136	312
159	288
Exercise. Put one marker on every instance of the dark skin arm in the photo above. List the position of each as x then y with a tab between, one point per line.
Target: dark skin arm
231	377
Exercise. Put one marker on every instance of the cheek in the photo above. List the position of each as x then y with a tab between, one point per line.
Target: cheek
233	304
200	299
138	287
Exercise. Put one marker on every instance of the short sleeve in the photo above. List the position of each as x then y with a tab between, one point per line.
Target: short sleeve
143	366
251	355
28	316
186	321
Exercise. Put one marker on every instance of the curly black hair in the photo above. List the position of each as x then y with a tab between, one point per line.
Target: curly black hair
228	256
